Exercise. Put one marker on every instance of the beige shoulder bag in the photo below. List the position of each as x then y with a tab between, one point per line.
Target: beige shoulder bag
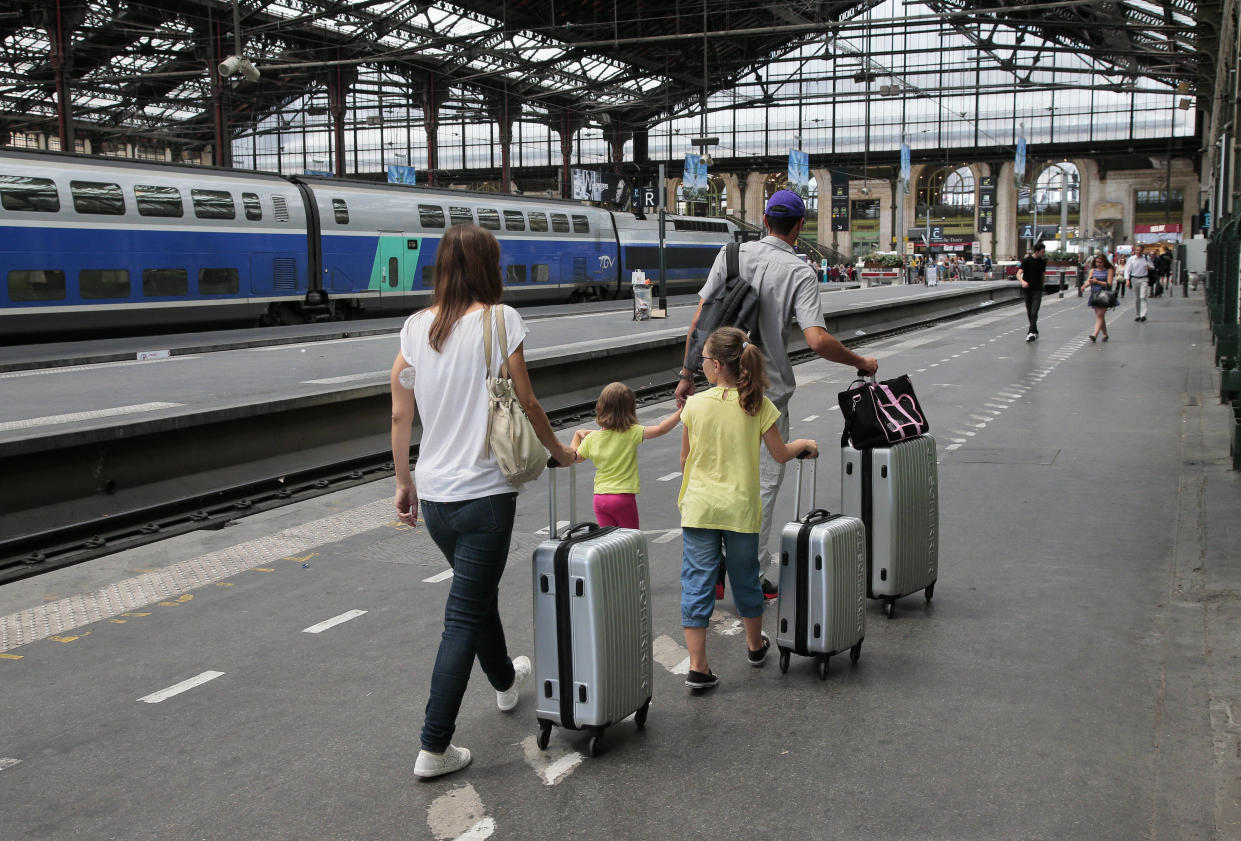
510	435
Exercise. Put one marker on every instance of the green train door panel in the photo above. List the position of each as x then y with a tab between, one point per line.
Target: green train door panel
396	263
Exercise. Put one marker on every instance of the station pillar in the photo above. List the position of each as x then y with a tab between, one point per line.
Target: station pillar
755	198
339	81
567	127
60	19
434	94
504	114
617	137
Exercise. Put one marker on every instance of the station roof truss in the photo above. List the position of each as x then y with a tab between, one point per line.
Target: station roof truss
146	68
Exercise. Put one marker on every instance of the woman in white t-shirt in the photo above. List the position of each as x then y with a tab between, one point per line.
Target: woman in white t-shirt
467	504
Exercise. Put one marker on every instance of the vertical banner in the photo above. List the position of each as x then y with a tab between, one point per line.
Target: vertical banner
799	172
840	201
1019	162
906	167
986	204
694	179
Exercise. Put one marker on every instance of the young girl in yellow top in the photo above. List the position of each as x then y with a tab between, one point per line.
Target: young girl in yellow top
614	450
719	500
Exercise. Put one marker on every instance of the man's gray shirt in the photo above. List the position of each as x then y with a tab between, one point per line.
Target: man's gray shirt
787	288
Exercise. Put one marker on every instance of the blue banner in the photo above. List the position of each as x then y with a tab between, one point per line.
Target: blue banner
320	172
694	179
906	166
799	172
401	174
1019	162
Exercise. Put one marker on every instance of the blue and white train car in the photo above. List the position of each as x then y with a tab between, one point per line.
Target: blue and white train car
105	244
378	243
690	246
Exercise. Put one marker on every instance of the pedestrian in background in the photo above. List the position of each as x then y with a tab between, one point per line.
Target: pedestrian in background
1031	273
1100	283
1137	271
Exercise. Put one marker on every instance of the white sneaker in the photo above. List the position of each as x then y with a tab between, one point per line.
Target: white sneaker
507	699
438	764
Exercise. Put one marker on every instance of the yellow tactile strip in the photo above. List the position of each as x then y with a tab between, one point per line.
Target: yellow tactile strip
56	617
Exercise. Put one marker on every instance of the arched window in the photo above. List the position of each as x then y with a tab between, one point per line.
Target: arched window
1039	209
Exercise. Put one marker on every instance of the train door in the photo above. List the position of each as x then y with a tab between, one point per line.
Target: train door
393	272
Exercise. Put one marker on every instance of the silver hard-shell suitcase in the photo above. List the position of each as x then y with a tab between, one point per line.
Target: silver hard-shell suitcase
592	626
895	491
822	584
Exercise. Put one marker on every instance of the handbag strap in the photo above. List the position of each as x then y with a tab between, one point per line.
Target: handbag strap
492	320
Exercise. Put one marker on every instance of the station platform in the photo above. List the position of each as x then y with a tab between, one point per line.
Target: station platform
1077	676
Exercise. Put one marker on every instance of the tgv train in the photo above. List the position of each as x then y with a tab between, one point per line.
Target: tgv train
97	244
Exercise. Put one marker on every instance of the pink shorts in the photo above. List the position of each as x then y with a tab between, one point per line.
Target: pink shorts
617	510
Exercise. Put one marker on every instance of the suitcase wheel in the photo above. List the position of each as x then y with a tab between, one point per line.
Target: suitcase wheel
593	745
640	716
784	661
545	734
889	608
855	652
930	591
822	667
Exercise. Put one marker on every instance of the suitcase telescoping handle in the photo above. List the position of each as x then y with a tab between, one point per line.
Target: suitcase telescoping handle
551	496
814	483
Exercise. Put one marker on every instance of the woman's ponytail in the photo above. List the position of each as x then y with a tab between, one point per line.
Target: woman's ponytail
744	361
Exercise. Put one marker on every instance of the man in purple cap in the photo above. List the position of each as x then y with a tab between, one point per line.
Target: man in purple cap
787	289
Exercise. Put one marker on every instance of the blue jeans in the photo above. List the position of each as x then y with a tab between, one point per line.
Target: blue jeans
700	563
474	536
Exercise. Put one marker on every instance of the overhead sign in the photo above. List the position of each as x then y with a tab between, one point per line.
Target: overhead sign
401	174
840	201
645	197
986	204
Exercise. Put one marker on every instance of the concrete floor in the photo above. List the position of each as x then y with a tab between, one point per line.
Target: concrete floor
1078	675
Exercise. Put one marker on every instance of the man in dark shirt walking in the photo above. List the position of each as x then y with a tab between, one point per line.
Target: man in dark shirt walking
1031	273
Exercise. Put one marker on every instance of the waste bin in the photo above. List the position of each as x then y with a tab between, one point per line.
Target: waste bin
641	295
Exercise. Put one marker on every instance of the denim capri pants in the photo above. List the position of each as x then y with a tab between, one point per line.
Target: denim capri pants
700	563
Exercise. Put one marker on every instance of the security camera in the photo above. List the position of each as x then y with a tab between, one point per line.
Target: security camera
249	70
230	65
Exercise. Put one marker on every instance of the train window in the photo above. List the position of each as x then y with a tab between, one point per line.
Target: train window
541	273
103	283
489	219
39	285
254	209
428	277
158	201
217	282
165	283
560	223
538	222
461	215
280	208
515	274
18	192
340	209
97	197
514	220
581	225
213	204
431	216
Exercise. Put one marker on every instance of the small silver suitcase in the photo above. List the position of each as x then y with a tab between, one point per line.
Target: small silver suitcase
592	626
895	490
822	584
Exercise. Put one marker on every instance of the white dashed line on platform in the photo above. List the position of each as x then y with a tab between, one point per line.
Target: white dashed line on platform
178	688
6	762
74	417
334	621
669	477
552	765
559	525
809	419
459	815
668	536
670	654
442	576
347	378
